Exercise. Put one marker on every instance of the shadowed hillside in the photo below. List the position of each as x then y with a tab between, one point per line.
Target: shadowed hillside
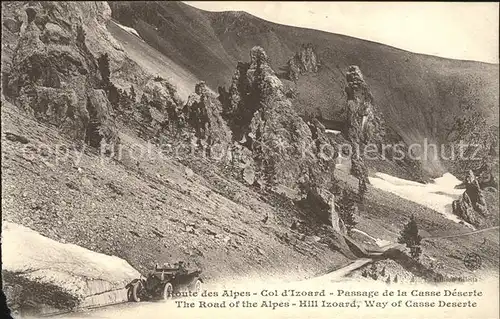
114	140
420	96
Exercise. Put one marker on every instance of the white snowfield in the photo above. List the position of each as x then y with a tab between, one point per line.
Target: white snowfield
437	195
335	132
129	30
74	270
379	242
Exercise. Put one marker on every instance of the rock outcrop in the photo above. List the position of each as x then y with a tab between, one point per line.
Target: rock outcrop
361	124
54	74
160	105
203	112
304	61
485	176
471	202
472	135
286	150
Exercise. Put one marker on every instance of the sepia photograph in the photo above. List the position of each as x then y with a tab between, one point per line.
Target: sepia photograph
249	159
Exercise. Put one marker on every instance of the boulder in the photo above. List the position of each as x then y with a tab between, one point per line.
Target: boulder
471	203
188	173
312	239
160	105
249	175
12	25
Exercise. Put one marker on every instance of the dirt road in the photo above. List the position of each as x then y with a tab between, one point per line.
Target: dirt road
157	309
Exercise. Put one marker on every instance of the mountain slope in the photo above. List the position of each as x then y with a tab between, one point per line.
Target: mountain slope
420	96
113	160
148	207
153	61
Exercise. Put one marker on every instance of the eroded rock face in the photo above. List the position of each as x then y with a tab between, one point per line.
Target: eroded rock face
203	112
12	25
471	202
253	83
304	61
286	150
360	121
100	126
162	102
360	110
12	13
485	176
54	75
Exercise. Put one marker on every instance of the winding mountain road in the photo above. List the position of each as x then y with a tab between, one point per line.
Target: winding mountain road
463	234
153	309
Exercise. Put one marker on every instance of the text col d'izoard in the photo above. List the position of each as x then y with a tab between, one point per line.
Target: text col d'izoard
340	298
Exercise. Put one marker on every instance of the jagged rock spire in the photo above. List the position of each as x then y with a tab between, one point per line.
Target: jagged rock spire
354	77
360	116
258	56
203	111
283	145
304	61
471	202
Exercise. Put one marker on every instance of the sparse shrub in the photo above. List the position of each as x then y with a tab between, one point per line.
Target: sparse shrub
103	63
410	237
362	188
113	95
112	91
92	136
126	102
158	79
270	173
374	271
80	34
364	273
347	216
144	110
348	210
133	95
291	93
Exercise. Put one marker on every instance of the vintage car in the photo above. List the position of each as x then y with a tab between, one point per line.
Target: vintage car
164	283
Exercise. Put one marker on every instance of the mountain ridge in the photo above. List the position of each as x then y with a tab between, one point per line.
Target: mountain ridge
421	96
240	12
76	110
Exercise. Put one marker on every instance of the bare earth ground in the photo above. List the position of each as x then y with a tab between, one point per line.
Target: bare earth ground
147	212
155	211
384	215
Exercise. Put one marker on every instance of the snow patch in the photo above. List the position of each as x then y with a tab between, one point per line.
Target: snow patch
332	131
73	269
379	242
129	30
437	195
